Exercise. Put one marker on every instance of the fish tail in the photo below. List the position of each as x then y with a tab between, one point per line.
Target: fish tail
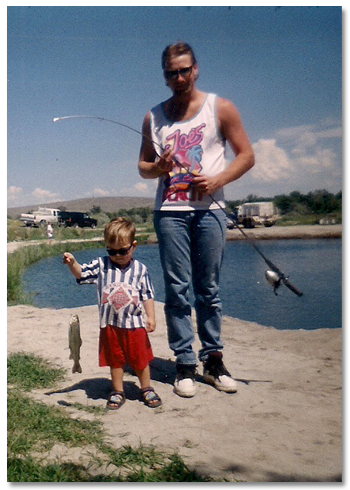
76	367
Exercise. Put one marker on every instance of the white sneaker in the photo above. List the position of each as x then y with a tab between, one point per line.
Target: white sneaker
221	383
184	384
217	375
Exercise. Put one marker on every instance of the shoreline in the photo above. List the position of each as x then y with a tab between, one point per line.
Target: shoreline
258	233
287	232
283	425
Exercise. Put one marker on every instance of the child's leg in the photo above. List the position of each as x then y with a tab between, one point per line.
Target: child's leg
144	377
117	375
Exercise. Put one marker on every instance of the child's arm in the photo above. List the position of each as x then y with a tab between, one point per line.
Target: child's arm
151	317
73	265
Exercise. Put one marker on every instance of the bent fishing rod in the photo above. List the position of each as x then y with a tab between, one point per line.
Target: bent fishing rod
275	276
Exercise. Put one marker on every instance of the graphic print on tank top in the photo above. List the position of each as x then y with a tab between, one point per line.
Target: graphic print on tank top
188	152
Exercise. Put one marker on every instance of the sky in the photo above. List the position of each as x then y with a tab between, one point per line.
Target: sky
280	66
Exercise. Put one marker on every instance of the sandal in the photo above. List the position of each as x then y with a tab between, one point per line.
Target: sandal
116	400
150	398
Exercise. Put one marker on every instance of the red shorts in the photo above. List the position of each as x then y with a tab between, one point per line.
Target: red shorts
120	346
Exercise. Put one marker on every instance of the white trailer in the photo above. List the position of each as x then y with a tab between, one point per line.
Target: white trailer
251	214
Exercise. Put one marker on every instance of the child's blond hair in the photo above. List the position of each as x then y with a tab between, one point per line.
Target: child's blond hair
120	230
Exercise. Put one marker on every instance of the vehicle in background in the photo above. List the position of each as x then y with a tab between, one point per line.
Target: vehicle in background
76	220
330	219
41	217
251	214
231	220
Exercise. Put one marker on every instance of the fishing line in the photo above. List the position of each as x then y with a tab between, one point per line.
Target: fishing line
274	280
55	119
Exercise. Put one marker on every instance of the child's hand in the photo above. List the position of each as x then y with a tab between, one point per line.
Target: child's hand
73	265
68	258
150	325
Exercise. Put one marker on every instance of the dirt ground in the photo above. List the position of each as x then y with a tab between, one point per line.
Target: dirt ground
283	425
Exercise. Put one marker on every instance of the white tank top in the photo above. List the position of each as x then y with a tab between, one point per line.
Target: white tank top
198	148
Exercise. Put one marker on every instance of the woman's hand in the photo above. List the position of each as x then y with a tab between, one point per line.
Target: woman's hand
166	163
205	184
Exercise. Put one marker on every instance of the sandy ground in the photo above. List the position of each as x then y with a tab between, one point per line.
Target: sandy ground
283	424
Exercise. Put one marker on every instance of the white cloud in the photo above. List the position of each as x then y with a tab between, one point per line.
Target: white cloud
145	189
293	133
100	193
43	195
331	133
14	193
299	157
319	160
271	162
309	136
141	187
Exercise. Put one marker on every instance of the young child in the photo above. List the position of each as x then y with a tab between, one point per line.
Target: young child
123	286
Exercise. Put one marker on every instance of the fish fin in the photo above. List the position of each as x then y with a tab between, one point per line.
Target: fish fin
76	367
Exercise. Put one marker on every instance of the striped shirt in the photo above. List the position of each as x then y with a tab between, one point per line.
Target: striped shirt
120	292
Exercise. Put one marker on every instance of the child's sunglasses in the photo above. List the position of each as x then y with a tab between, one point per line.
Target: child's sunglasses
120	251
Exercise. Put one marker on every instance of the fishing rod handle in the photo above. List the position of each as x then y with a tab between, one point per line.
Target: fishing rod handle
291	287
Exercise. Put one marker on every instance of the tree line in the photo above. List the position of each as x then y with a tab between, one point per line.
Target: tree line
320	202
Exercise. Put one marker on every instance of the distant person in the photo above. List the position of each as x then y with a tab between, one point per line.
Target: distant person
124	289
192	128
49	231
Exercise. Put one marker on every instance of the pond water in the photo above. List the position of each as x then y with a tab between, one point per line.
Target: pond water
314	266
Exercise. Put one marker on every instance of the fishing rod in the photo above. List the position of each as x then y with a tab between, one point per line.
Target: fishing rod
275	276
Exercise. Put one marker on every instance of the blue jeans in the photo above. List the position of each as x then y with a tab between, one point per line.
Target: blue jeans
191	246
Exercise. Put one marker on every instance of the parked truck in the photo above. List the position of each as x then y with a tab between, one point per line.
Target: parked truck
251	214
76	220
41	217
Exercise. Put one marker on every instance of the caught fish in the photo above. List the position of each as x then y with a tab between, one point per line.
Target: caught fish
75	343
274	279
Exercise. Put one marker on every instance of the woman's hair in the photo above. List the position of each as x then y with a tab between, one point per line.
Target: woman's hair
177	49
120	230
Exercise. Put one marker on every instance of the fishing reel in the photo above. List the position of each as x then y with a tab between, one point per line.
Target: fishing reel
274	279
277	278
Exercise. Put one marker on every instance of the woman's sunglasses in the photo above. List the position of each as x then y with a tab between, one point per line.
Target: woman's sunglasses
173	74
121	251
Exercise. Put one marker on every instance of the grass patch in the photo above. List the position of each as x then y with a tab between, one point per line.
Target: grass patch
31	470
95	410
17	232
34	428
27	371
